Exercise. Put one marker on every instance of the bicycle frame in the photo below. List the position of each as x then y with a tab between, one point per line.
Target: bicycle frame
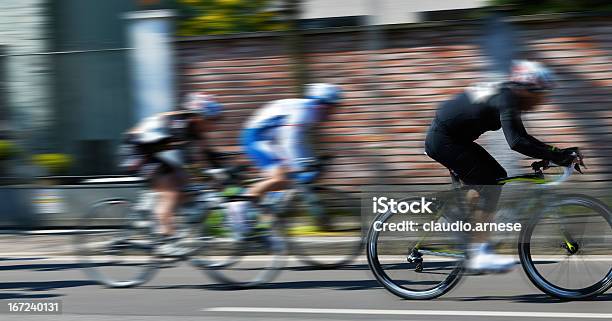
537	178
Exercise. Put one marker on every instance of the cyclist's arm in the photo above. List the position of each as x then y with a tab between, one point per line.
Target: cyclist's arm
201	151
520	141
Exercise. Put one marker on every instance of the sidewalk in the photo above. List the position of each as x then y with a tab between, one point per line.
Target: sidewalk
61	242
36	243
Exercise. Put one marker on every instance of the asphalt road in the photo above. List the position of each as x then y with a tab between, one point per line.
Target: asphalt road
351	293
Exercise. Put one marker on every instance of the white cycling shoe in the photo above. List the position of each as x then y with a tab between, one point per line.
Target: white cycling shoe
482	260
170	249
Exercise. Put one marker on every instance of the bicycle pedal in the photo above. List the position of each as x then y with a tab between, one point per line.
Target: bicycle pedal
419	266
414	257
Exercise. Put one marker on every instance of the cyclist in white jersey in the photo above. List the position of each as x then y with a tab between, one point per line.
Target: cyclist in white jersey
276	138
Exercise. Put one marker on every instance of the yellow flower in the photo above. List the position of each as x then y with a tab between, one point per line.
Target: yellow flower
55	163
228	2
7	149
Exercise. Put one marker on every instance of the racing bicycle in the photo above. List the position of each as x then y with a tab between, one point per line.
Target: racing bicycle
564	247
118	240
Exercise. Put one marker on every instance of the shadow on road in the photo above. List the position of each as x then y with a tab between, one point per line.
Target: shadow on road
525	298
346	285
332	285
45	285
38	286
42	267
13	296
348	267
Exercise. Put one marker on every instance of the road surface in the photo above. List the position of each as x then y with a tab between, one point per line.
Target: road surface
40	267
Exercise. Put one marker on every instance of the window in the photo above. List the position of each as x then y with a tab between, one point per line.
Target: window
95	157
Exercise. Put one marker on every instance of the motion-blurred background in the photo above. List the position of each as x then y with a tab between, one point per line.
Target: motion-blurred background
75	74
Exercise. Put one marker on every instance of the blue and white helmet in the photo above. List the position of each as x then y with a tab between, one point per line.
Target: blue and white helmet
324	93
532	75
203	104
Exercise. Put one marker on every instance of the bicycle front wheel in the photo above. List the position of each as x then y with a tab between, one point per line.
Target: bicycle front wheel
245	261
114	246
565	249
324	227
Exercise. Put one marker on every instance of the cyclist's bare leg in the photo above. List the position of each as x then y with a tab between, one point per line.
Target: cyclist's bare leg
276	180
478	216
167	188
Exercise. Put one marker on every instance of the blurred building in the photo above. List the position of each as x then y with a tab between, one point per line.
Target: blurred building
323	13
92	96
25	74
64	70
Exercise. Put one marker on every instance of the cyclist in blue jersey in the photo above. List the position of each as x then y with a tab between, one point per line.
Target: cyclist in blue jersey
276	138
487	107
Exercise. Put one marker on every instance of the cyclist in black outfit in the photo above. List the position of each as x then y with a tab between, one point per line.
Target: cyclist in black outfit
159	147
460	121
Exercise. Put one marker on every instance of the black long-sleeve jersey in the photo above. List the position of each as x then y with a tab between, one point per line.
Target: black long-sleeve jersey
464	119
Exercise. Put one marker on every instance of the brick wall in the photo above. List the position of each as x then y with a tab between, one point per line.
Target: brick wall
391	93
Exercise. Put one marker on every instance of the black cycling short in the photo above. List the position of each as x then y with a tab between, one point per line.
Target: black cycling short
472	163
142	160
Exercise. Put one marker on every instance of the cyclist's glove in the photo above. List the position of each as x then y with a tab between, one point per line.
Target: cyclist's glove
568	156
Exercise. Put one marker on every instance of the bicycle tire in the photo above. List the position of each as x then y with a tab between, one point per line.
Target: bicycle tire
93	269
272	242
392	286
528	264
347	242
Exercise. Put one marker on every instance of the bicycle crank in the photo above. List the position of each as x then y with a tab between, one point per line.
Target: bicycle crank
417	258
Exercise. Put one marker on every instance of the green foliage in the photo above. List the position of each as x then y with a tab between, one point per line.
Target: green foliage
213	17
555	6
213	224
8	149
55	164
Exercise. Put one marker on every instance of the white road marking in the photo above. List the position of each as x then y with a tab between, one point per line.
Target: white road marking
516	314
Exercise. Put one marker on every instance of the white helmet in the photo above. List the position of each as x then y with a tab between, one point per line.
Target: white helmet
324	93
532	75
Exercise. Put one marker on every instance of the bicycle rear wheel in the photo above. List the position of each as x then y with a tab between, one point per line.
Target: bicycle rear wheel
324	227
114	245
565	249
415	264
